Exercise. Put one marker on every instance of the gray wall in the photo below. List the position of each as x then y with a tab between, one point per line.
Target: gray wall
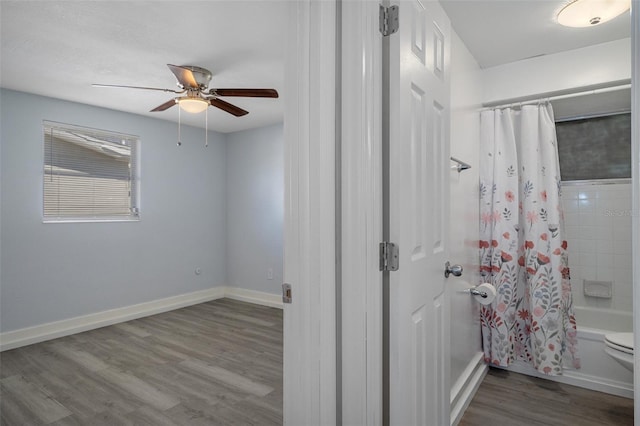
51	272
255	202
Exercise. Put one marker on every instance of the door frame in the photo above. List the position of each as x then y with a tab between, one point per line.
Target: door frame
361	214
333	159
309	326
635	189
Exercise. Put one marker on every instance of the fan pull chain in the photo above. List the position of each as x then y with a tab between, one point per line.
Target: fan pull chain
206	128
179	122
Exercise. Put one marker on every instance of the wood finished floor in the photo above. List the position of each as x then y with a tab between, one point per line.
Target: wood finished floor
220	363
216	363
511	399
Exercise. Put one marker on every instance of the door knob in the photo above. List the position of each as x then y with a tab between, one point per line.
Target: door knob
456	270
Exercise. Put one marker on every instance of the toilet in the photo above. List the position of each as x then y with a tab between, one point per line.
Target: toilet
620	347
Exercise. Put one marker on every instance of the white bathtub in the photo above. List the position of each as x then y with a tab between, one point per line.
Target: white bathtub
599	371
603	319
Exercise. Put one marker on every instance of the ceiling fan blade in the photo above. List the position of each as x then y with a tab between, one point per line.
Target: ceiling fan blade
165	105
117	86
250	93
226	106
185	76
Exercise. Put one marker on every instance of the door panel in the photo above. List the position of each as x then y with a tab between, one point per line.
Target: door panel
418	215
420	364
418	167
439	179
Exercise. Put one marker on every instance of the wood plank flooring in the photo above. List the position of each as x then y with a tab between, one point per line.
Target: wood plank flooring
510	399
216	363
220	363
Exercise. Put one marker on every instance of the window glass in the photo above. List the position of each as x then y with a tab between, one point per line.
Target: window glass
89	174
595	148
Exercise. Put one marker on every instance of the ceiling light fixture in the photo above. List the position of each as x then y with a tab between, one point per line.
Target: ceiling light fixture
587	13
193	105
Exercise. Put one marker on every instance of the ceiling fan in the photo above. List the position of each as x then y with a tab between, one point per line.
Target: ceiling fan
193	82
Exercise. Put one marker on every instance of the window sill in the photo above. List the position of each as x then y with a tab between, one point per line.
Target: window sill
96	220
596	181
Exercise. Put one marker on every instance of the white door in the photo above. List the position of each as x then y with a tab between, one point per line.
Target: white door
418	215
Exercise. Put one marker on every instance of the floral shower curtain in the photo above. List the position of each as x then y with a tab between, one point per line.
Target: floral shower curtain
522	250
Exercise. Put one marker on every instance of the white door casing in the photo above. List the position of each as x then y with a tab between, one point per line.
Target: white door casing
361	226
418	215
309	365
635	173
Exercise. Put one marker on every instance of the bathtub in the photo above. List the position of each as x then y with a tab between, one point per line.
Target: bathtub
603	319
599	371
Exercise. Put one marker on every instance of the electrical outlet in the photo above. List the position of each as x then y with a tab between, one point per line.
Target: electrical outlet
270	273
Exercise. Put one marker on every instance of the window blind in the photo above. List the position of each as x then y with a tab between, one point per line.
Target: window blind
88	173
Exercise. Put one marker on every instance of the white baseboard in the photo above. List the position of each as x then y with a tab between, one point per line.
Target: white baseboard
40	333
463	391
253	296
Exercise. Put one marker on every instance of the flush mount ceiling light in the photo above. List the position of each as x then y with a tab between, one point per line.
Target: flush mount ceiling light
193	105
587	13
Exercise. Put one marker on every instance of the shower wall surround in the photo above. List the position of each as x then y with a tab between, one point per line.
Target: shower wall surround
598	230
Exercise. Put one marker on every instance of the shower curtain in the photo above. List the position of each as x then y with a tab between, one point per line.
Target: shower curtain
522	250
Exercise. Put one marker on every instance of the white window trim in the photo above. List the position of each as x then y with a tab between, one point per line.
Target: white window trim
97	219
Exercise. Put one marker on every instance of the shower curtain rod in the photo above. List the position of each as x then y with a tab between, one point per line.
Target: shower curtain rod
530	100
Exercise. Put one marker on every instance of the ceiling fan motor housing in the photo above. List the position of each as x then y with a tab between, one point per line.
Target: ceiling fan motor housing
202	76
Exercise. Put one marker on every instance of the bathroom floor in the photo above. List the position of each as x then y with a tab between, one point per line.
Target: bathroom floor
506	398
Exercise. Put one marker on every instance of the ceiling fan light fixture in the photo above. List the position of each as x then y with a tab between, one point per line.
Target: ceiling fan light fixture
588	13
193	105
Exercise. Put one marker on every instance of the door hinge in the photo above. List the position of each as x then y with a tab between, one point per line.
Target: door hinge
389	19
286	293
388	256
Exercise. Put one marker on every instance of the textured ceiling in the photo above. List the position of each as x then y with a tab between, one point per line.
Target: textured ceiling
502	31
59	48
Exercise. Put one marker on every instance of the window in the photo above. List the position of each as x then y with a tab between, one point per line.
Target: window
595	148
89	174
